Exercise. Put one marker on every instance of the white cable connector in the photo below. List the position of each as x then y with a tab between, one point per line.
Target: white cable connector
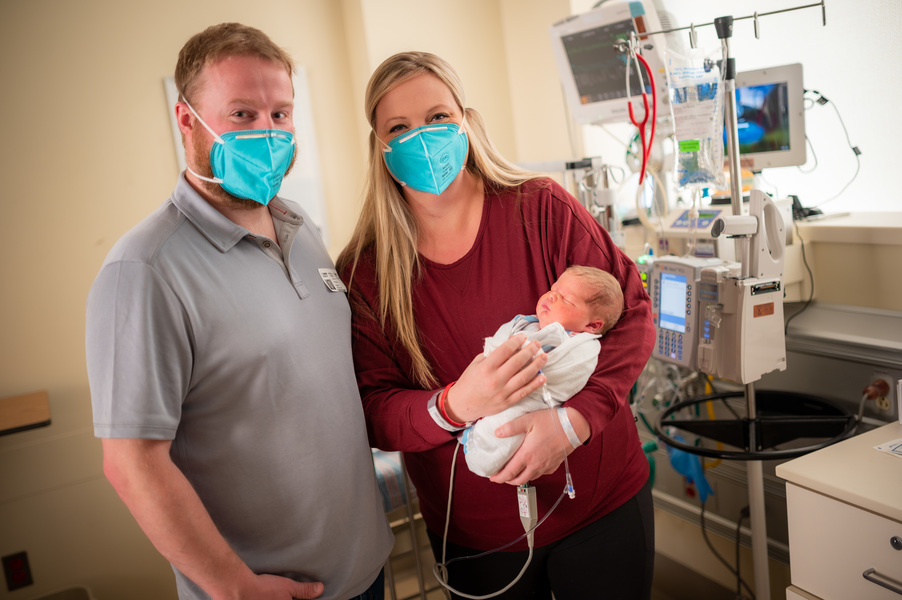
529	514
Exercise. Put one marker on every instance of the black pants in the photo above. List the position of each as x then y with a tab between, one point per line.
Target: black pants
612	558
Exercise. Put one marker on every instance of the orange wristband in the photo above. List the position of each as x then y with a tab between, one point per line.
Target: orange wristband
441	407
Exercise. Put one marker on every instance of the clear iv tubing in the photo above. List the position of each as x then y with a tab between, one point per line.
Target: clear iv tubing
440	569
546	396
640	211
693	223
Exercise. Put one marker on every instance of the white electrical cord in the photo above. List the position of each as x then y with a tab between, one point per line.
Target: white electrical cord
864	399
440	570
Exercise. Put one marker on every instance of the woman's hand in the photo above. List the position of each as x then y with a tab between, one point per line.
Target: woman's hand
543	448
494	382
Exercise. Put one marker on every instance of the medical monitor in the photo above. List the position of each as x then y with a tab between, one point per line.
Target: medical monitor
593	72
771	117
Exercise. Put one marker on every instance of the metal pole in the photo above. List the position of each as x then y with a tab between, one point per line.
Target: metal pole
755	473
724	31
757	520
412	528
691	27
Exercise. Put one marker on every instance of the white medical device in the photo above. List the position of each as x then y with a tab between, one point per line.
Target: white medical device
686	231
725	318
673	286
593	71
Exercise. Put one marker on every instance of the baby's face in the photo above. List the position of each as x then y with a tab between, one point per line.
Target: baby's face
565	304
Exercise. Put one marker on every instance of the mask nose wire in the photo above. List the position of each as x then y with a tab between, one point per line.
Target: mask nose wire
202	122
385	147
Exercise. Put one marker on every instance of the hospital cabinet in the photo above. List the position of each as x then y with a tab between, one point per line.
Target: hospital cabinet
844	506
855	258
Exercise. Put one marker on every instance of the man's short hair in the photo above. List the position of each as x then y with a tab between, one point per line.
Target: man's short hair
217	42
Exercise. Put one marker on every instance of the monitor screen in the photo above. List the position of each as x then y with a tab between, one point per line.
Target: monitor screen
673	302
762	112
770	118
593	71
599	71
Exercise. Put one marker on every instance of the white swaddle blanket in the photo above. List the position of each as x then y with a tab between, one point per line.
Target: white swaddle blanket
572	358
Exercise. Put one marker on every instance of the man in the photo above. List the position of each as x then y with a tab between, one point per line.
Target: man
219	357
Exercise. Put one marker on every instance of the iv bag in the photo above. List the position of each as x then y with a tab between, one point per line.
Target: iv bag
696	103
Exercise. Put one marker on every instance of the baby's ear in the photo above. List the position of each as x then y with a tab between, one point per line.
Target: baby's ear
595	326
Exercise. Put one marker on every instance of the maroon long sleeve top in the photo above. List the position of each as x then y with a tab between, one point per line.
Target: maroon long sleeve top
525	241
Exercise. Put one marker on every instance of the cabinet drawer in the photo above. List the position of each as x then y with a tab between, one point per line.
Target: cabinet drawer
794	593
831	545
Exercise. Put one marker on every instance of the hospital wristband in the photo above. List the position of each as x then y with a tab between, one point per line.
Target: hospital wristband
441	407
568	427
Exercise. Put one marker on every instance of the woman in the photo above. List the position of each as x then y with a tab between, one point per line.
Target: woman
452	240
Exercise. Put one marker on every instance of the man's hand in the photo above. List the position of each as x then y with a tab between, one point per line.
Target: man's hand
273	587
172	516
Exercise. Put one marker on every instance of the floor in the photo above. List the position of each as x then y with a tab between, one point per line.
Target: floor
672	581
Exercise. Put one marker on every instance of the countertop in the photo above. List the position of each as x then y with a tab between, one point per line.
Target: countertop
882	228
853	471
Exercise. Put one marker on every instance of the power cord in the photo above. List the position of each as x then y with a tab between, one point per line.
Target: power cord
818	98
743	515
807	268
722	559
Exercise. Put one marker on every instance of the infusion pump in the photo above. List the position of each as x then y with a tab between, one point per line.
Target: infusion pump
674	297
720	317
708	318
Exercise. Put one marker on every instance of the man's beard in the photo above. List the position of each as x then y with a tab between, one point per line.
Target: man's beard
202	158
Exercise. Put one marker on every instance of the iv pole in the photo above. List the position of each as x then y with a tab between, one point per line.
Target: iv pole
754	473
754	468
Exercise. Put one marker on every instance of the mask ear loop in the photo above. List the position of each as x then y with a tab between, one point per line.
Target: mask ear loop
385	150
215	135
461	130
216	139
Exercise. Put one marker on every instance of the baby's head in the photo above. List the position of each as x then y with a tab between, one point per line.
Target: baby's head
582	299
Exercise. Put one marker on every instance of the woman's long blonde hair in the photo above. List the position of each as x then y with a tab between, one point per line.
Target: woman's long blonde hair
386	221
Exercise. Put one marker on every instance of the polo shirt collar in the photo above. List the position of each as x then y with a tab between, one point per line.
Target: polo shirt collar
212	224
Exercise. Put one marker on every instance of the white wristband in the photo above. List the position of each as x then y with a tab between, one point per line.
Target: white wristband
568	427
436	415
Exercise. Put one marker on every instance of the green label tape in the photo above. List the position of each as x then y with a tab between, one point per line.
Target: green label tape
690	146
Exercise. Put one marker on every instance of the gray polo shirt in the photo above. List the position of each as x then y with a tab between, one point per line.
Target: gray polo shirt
239	351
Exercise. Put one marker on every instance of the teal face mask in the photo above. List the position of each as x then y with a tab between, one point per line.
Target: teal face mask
427	158
249	164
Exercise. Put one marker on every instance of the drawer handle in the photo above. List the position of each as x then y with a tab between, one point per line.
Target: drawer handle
891	584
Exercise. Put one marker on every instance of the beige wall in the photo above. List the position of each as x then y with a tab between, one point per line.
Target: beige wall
88	153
